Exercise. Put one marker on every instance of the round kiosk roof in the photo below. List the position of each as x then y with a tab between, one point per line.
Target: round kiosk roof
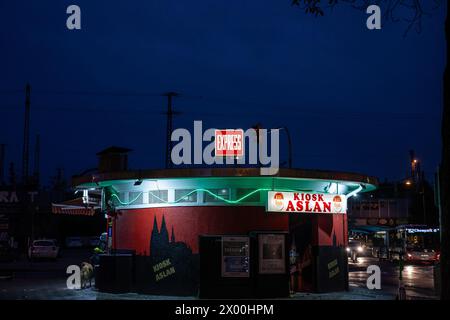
292	179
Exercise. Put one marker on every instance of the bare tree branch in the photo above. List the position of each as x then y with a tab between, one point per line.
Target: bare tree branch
411	12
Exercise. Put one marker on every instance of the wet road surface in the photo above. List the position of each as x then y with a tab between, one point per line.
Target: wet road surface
418	279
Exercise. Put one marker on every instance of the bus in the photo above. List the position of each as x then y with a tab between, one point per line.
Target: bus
414	243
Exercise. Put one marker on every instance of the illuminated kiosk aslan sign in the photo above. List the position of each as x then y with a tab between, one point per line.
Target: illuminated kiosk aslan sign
306	202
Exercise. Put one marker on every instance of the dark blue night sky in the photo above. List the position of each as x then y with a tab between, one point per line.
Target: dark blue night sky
353	99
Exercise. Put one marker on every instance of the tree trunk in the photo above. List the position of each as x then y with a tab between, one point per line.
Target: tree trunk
445	172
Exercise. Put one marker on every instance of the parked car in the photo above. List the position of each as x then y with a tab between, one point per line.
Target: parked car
74	242
6	252
418	254
355	249
44	248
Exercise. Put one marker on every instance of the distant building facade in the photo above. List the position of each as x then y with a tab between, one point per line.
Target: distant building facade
379	211
393	204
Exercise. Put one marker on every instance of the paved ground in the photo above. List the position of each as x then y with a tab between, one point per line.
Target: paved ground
47	280
417	279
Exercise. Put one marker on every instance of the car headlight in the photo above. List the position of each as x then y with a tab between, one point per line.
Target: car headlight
360	249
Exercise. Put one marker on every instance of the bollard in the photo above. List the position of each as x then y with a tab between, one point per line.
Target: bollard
437	279
401	294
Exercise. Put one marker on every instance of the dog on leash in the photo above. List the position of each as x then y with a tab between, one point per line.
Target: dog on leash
87	273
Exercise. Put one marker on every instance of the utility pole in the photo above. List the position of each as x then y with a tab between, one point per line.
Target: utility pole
170	114
37	154
257	127
413	163
437	194
26	135
12	175
2	163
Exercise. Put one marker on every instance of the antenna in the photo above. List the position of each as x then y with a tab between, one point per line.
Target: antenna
37	153
170	113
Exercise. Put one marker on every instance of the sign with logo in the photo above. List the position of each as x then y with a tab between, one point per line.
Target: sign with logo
306	202
422	230
235	257
229	143
271	254
12	197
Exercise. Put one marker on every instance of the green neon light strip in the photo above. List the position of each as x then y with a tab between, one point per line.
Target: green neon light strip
197	190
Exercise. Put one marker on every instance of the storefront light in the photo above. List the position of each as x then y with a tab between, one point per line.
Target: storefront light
332	188
354	192
124	203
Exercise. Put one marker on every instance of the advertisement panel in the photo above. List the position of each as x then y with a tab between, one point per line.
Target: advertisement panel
271	254
229	143
235	257
306	202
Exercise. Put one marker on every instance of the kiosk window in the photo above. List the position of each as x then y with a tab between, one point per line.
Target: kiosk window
185	195
157	196
254	197
222	193
135	198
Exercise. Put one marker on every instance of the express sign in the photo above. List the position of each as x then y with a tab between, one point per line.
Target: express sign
306	202
229	143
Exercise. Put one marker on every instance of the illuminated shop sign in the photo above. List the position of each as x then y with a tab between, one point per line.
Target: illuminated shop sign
229	143
306	202
416	230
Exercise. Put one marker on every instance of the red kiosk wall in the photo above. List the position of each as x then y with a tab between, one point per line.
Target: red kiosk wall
330	229
133	227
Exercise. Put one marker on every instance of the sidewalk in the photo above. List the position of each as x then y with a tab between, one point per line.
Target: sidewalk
354	293
56	290
46	280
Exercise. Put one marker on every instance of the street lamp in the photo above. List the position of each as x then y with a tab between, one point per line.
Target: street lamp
288	134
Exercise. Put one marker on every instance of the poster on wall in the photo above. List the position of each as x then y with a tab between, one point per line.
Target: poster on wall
235	257
271	254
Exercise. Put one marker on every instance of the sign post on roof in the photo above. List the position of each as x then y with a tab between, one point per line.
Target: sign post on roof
229	143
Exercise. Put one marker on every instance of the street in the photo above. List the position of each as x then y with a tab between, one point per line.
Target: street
417	279
46	280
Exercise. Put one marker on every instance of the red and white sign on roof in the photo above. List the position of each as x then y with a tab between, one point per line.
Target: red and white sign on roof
229	143
306	202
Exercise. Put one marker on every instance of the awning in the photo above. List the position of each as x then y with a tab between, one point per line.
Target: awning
369	229
75	207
